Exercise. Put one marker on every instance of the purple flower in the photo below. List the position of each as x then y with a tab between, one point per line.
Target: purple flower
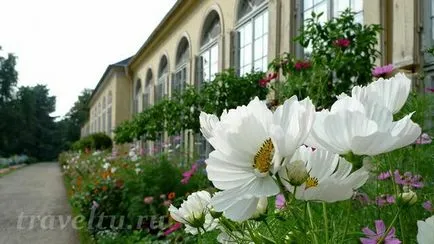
373	237
424	138
384	200
384	175
428	206
280	201
363	198
408	179
382	71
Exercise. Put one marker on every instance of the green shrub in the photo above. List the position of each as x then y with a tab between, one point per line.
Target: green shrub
97	141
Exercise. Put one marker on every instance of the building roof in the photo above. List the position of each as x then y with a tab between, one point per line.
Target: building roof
121	64
154	33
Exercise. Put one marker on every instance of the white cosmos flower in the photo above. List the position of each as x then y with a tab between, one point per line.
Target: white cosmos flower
194	213
329	176
106	166
249	143
391	93
369	129
425	233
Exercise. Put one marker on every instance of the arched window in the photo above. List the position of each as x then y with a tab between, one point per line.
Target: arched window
160	87
137	92
147	90
104	102
109	112
209	47
99	117
179	79
252	36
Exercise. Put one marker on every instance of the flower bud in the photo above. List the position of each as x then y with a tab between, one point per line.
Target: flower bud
408	198
297	173
261	209
215	214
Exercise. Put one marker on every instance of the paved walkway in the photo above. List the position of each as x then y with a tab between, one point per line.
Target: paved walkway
34	207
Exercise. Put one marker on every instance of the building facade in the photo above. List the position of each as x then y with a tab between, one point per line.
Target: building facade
197	39
109	103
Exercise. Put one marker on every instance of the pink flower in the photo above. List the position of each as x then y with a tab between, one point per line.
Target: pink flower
423	139
408	179
382	71
189	173
363	198
384	200
428	206
384	175
280	201
374	237
342	42
172	228
429	89
148	200
167	203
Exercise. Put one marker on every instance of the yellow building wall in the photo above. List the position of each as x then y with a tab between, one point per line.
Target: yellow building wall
117	83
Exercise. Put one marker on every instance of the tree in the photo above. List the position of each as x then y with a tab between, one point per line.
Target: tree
8	77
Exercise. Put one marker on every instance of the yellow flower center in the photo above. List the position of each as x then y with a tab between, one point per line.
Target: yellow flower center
264	157
311	182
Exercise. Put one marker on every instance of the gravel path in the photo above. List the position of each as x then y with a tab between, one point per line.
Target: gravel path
35	192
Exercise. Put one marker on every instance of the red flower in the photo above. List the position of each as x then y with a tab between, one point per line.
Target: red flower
430	89
302	64
342	42
271	76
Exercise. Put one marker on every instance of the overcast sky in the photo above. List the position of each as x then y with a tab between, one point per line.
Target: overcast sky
67	44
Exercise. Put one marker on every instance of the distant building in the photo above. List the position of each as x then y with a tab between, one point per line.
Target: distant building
197	39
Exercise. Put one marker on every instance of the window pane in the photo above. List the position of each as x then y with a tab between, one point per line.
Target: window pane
358	18
247	34
265	45
248	54
265	17
259	49
339	6
322	8
265	64
307	4
259	26
258	65
357	5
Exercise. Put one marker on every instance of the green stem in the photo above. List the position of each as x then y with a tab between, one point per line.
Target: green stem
401	227
326	222
312	227
347	220
281	187
390	227
271	232
199	236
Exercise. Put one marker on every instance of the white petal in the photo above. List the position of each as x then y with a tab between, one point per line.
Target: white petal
425	233
391	93
295	119
207	124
